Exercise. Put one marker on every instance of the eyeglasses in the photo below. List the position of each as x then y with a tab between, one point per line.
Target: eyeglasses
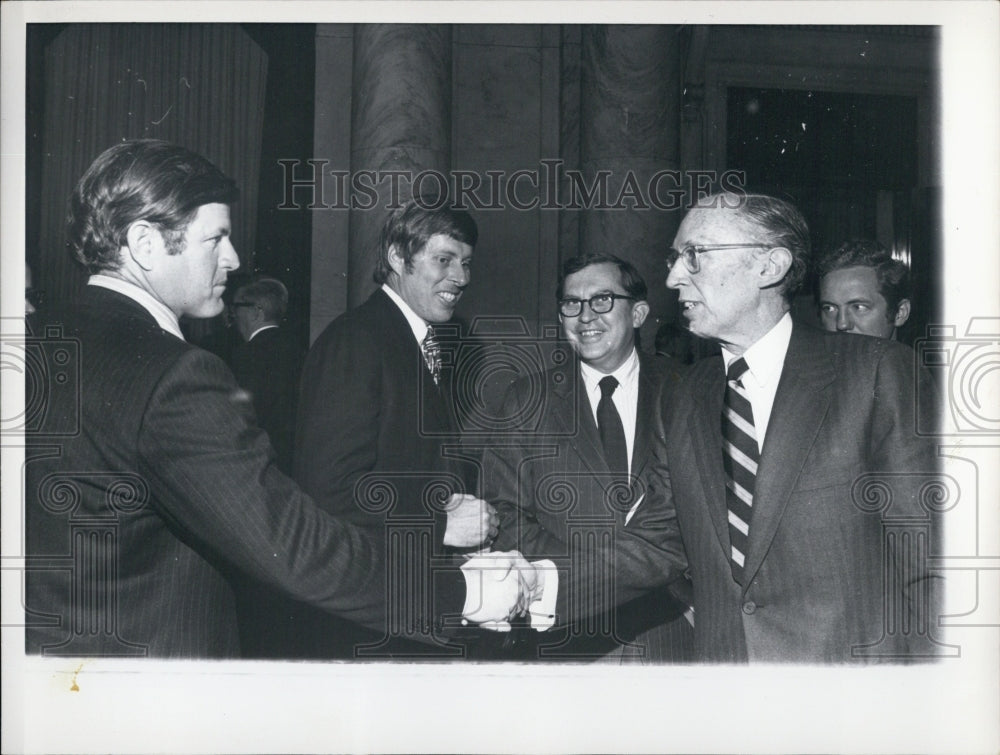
690	254
242	304
599	304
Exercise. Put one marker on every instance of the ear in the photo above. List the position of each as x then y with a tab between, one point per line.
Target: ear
396	261
902	312
640	311
143	240
774	266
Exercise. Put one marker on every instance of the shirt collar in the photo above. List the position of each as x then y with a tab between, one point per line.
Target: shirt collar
766	356
417	324
626	373
261	328
160	312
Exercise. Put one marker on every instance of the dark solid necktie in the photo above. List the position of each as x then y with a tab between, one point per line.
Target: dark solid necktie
739	457
432	354
609	424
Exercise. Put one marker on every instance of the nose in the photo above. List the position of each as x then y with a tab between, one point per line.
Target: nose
228	258
459	274
677	274
844	320
586	313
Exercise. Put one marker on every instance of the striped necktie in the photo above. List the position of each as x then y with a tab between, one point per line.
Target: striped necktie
739	457
432	354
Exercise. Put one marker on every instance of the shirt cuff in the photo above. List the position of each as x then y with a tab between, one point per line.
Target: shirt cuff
543	610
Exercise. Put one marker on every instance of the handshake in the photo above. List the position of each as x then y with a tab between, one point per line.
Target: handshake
499	585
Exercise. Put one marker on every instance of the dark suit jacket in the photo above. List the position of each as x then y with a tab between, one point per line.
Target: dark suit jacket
146	482
839	537
553	490
269	367
376	443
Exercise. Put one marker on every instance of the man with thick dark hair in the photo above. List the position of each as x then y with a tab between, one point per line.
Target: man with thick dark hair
862	289
377	439
148	482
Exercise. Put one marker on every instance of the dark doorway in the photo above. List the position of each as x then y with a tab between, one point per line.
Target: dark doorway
850	162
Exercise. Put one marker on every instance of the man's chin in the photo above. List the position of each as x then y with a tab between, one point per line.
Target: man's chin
213	309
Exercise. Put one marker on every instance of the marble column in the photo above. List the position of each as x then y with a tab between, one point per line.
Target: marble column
400	121
629	133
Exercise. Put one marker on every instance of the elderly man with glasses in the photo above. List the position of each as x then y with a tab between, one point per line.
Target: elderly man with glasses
794	463
796	469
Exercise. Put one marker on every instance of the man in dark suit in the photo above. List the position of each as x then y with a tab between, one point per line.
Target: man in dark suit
376	440
788	476
573	465
147	480
793	460
268	362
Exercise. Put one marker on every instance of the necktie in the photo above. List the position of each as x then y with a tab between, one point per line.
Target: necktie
609	424
739	457
432	354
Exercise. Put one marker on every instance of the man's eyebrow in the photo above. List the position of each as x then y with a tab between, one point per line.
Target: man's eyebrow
602	292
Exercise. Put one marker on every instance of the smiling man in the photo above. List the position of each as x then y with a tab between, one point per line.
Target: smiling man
375	422
135	522
590	444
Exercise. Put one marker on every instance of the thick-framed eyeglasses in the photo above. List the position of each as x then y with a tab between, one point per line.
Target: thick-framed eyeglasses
600	304
690	254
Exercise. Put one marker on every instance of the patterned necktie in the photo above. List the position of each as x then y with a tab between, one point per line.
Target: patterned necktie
432	354
739	457
609	424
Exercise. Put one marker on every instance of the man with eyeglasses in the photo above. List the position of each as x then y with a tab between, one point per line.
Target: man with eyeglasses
582	460
793	461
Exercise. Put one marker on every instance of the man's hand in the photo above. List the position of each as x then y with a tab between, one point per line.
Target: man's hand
471	522
499	586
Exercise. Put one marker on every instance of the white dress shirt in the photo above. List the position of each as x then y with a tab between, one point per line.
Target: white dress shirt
417	323
765	358
625	397
259	330
163	315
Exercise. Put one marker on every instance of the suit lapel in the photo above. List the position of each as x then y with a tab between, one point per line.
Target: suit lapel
704	424
403	355
800	404
587	440
652	374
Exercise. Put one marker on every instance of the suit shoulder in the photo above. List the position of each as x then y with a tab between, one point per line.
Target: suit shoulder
661	369
368	323
701	371
847	349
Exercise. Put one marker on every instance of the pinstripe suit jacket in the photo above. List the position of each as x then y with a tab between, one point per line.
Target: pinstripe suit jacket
841	445
554	492
134	519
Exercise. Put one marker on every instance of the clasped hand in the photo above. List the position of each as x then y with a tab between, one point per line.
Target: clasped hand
501	585
471	522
